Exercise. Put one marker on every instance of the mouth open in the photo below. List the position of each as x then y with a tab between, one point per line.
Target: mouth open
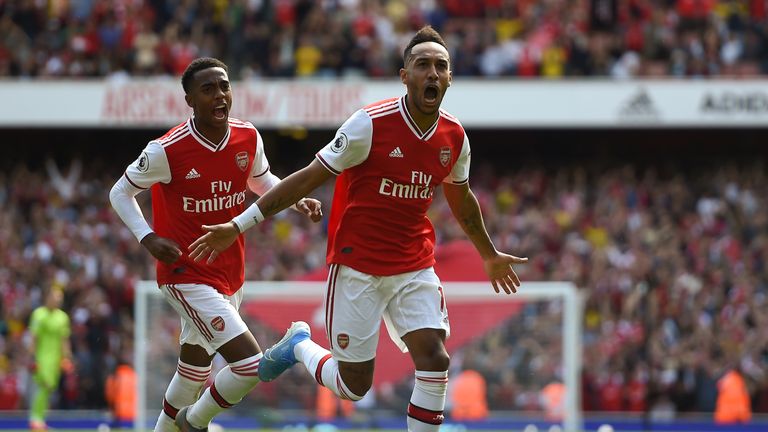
431	93
220	112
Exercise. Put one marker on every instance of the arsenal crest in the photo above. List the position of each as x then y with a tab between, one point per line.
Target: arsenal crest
445	156
241	159
218	323
342	340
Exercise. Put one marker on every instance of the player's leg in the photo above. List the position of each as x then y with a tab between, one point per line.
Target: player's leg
44	383
192	372
223	329
296	346
353	306
231	383
39	407
419	315
348	380
194	366
425	409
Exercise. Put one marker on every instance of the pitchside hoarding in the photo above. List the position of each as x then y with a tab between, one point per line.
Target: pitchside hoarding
325	104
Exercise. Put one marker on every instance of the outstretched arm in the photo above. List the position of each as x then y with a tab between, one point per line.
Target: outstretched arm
466	210
293	188
283	195
310	207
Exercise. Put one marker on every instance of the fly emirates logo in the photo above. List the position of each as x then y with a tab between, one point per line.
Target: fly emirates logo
419	188
221	199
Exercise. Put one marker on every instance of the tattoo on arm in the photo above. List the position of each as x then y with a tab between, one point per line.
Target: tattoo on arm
292	188
471	218
276	206
468	214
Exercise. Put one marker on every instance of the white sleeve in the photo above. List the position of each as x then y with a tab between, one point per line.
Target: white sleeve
260	163
350	146
123	199
151	167
261	184
460	171
261	178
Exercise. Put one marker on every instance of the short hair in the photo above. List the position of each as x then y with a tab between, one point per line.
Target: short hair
425	34
196	66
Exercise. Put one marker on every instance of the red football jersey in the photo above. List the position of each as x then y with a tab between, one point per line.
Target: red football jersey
197	182
388	170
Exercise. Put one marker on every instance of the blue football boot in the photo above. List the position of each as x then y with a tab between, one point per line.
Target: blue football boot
280	357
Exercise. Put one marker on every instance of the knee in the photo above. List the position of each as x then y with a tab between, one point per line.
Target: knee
441	361
435	360
358	387
357	382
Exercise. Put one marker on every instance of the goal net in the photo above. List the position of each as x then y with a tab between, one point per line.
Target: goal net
521	343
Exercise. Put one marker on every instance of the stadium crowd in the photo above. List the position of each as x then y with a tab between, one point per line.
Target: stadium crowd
673	266
332	38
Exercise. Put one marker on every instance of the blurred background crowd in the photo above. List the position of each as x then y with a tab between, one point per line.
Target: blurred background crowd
334	38
672	263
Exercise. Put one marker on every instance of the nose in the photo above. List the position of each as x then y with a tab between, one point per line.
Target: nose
432	73
220	92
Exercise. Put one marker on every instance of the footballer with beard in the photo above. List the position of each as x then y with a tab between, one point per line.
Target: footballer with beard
387	159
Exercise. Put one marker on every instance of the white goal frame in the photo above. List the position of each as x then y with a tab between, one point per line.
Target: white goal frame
572	335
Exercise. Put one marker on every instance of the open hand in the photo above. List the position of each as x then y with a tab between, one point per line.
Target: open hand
311	207
216	239
500	271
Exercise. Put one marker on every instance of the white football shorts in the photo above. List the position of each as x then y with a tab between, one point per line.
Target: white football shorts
208	318
356	302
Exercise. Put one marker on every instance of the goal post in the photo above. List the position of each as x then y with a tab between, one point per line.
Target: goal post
156	342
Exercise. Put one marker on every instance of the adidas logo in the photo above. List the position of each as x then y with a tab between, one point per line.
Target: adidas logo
192	174
396	153
639	106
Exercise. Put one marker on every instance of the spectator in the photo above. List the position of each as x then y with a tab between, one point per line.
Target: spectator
606	38
120	392
672	267
553	401
468	397
10	397
733	403
329	407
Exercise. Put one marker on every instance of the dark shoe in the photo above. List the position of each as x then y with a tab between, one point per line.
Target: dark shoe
183	424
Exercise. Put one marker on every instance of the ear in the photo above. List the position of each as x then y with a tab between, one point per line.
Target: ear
189	100
450	78
403	76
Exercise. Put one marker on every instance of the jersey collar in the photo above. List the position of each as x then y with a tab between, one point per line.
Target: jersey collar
412	124
205	142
